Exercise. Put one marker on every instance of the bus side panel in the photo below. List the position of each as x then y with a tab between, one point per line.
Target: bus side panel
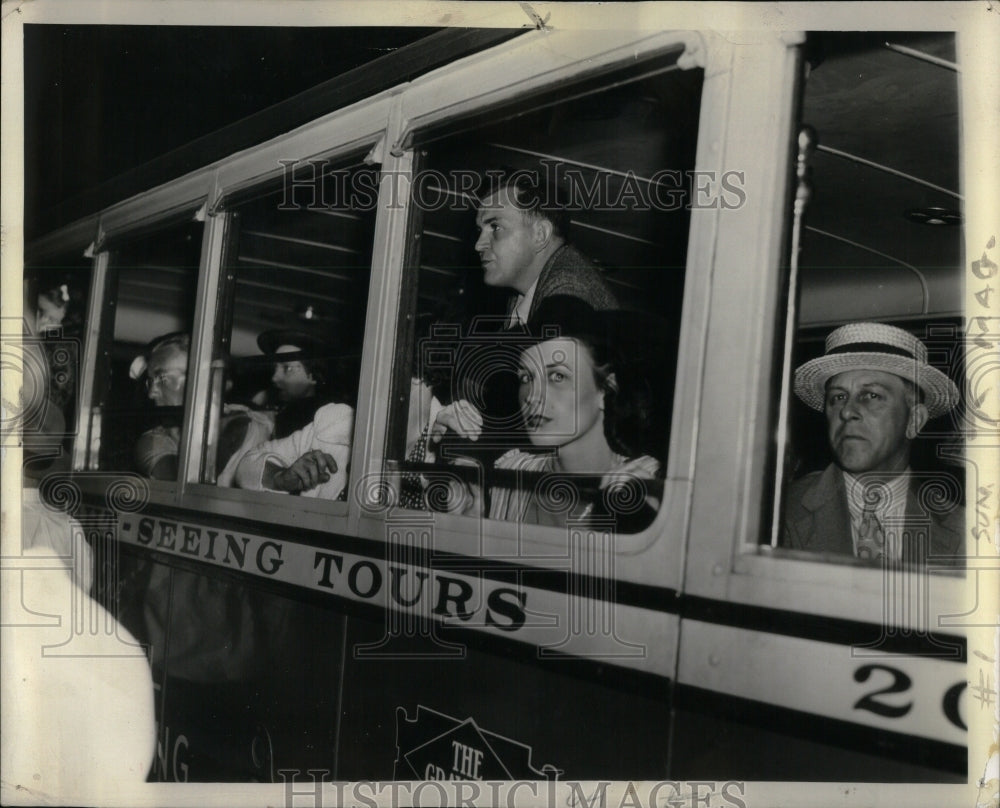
719	742
247	681
440	707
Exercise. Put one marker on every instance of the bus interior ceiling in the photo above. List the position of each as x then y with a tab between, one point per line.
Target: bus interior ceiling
880	239
602	143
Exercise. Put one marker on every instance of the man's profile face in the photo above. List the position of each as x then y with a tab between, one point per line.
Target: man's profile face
867	413
166	376
505	244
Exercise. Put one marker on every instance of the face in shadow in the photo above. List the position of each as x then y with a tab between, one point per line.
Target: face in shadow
166	376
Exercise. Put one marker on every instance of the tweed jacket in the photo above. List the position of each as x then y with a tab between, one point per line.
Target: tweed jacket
817	519
569	272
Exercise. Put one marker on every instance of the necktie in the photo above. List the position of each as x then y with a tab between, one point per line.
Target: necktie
871	536
411	490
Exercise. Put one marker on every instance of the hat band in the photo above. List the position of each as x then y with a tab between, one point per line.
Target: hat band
870	347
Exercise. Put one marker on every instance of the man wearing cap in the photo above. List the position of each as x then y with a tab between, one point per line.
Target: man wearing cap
877	391
300	377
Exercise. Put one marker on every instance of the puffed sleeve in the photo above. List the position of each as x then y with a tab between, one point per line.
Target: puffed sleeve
330	431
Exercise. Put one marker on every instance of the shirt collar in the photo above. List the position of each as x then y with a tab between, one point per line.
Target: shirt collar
522	305
891	493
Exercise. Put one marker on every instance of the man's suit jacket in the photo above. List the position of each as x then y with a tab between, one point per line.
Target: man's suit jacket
569	272
817	519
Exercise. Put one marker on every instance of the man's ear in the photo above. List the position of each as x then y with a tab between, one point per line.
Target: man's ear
541	231
918	417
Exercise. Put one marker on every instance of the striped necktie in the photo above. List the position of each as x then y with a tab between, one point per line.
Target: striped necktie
871	536
411	491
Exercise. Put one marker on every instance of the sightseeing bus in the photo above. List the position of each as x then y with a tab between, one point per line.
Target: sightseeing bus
744	195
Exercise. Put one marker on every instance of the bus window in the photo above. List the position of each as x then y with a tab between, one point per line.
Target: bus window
57	291
290	331
871	463
149	314
604	169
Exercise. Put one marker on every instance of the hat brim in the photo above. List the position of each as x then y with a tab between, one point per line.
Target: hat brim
940	392
308	345
639	345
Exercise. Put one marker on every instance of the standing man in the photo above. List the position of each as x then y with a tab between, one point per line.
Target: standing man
877	391
523	229
522	244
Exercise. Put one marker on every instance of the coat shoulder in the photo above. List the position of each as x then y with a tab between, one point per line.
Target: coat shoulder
799	489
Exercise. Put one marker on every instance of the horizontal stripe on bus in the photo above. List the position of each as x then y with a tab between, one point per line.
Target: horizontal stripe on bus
823	628
646	683
553	579
812	727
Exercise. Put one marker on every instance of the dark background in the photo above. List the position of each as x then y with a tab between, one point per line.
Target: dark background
102	100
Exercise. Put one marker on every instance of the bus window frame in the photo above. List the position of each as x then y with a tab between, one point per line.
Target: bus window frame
358	126
273	507
497	88
762	573
500	74
101	333
76	238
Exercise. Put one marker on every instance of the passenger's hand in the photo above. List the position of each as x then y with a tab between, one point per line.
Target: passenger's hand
304	474
460	417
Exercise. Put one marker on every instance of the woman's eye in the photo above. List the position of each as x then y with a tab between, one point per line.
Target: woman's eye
556	376
523	379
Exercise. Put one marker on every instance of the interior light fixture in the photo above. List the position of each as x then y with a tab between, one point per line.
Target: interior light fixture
934	216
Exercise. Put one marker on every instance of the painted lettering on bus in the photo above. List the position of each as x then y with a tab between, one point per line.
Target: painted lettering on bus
171	761
188	540
899	682
505	607
508	603
465	764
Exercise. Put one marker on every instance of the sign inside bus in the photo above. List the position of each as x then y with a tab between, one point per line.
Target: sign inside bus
468	598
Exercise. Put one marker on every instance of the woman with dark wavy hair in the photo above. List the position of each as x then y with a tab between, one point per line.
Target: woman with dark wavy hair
587	423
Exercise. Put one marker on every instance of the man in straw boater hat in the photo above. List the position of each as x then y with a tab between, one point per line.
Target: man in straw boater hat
877	391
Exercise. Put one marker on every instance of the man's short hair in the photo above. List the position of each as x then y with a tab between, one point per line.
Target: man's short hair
534	195
179	340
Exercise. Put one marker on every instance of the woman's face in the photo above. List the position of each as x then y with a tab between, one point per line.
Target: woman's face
559	397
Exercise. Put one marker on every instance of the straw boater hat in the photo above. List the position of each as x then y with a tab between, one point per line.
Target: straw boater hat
875	346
